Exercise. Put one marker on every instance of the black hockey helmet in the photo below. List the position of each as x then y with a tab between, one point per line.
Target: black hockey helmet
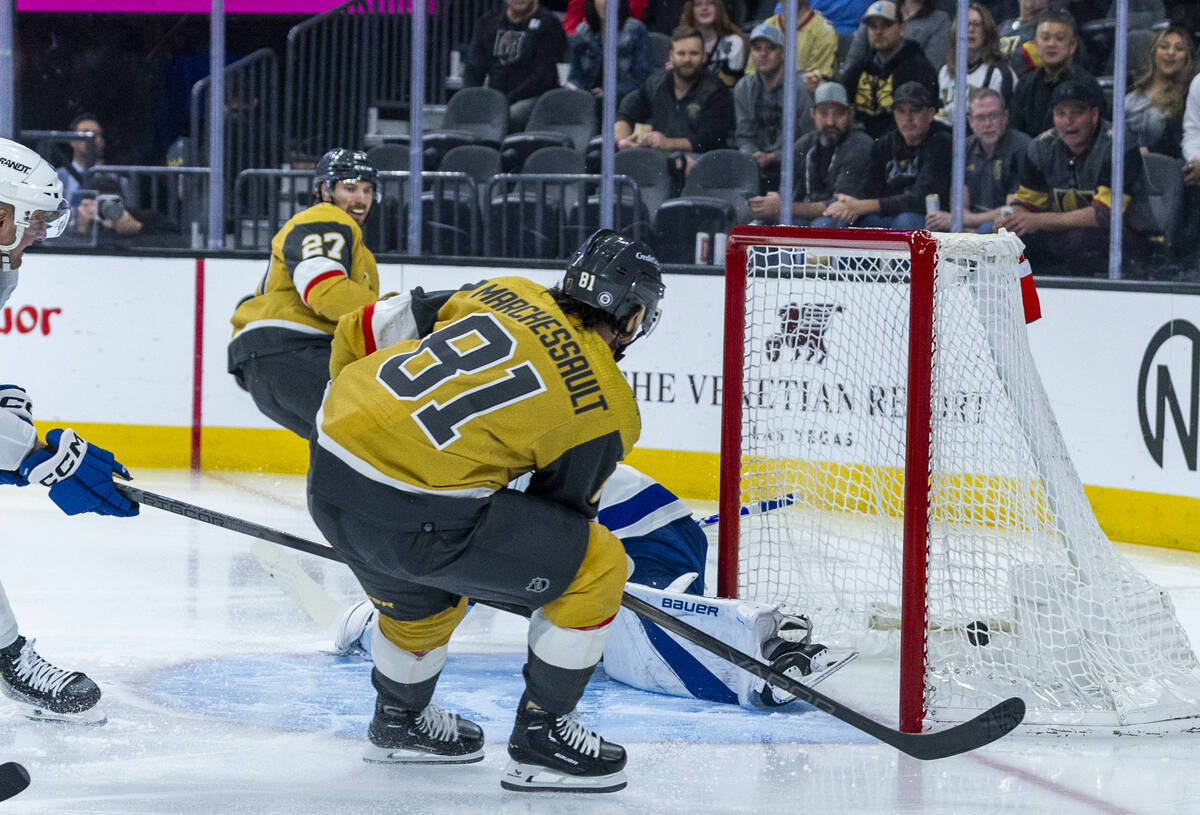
618	276
343	164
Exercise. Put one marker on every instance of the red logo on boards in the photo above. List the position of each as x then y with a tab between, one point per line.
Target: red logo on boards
26	319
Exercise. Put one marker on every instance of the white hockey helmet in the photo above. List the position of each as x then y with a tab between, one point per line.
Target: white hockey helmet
29	184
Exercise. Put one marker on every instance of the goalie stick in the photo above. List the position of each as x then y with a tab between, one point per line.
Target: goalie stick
756	508
983	729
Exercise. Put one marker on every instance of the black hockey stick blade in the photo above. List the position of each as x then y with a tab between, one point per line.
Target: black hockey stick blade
983	729
961	738
13	779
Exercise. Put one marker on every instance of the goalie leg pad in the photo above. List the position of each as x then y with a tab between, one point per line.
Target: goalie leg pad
641	654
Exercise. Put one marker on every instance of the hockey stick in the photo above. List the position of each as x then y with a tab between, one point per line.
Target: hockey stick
757	508
983	729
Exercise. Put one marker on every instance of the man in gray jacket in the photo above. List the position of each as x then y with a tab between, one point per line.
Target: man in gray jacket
834	158
758	105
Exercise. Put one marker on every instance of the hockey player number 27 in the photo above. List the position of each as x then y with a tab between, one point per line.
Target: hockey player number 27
466	346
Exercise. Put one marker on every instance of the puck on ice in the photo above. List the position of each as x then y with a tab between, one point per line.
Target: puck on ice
977	633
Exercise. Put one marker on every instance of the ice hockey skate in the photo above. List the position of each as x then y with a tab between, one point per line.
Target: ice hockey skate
809	663
556	753
429	736
349	628
46	692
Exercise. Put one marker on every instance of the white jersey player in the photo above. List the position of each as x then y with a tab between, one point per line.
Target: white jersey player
79	475
669	550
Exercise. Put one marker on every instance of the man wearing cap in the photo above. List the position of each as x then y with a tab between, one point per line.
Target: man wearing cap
1056	44
907	164
890	62
833	158
816	44
1062	207
758	105
994	166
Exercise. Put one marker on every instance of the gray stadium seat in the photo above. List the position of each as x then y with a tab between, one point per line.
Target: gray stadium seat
730	175
565	110
1165	178
473	116
389	157
660	50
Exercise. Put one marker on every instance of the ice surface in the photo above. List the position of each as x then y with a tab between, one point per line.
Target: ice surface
220	701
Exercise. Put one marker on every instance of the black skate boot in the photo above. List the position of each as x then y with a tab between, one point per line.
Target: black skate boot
806	662
49	693
557	753
429	736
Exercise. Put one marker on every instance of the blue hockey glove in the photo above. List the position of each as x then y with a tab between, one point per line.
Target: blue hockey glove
79	475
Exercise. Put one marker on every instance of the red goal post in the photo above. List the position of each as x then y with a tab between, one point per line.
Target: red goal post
879	384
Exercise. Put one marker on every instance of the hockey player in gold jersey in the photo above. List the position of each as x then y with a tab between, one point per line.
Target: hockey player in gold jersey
438	400
319	271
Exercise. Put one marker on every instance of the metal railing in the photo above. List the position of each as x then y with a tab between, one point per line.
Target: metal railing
251	127
169	201
265	199
342	63
548	215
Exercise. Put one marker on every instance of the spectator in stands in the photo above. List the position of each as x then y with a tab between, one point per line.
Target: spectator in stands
684	110
924	23
1055	40
577	12
844	15
758	105
907	164
1154	108
1017	36
83	155
516	50
816	44
834	158
1191	172
724	44
663	16
994	165
986	66
587	51
101	217
890	62
1061	210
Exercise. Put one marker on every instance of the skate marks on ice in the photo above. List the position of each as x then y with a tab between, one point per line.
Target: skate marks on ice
334	695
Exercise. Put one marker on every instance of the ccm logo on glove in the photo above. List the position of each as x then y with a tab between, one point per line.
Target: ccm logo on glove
64	462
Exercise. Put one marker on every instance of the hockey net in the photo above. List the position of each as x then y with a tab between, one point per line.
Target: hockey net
880	387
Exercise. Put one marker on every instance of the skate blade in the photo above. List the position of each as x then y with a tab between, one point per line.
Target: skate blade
399	755
88	718
532	778
812	680
820	676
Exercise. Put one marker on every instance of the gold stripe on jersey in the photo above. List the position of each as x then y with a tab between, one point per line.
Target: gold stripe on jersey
505	384
422	635
321	250
594	596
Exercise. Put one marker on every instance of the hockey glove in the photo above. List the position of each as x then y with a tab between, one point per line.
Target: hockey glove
79	475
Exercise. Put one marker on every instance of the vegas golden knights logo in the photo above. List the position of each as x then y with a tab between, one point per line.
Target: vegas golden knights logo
802	329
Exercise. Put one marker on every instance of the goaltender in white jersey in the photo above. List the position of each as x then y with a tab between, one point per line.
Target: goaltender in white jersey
668	550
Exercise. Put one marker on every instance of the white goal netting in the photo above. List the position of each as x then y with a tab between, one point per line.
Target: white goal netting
1025	594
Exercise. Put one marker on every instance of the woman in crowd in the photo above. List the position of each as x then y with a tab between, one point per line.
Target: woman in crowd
587	50
986	65
723	41
1154	108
